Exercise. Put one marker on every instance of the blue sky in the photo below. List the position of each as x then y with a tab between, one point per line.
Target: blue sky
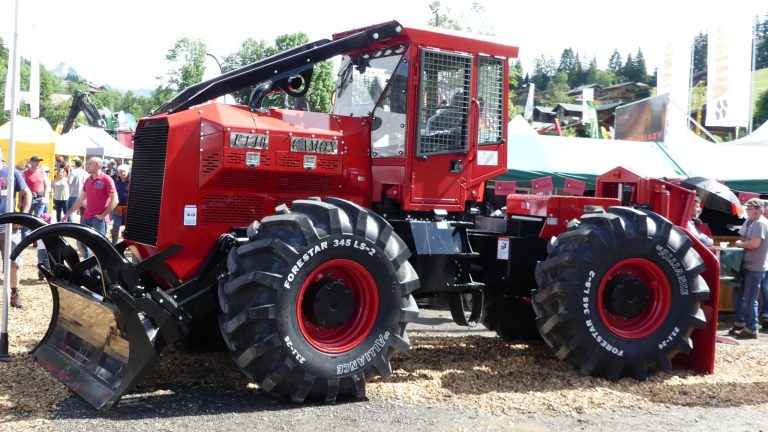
109	43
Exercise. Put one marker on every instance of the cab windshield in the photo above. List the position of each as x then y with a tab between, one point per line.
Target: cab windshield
362	78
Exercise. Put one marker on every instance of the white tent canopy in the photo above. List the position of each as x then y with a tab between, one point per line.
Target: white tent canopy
758	136
723	161
97	143
29	130
36	137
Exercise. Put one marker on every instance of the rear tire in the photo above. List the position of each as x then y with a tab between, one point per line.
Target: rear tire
317	302
620	294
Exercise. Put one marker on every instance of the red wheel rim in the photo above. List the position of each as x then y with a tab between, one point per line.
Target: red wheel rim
657	308
366	307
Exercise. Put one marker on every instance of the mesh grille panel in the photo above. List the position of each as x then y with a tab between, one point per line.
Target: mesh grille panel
445	101
490	83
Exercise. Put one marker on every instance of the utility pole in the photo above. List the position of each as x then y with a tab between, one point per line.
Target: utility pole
216	60
435	8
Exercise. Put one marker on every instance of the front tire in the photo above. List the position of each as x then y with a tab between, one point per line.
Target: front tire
620	294
317	302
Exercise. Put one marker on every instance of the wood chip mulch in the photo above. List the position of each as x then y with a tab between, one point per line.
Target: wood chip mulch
470	372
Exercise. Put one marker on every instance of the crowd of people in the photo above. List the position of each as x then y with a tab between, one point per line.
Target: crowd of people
97	195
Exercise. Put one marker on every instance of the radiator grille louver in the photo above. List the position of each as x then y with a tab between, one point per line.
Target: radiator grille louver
211	163
147	175
232	209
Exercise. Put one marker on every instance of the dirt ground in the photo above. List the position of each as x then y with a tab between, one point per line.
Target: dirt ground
453	378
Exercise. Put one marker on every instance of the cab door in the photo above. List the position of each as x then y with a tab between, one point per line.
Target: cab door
439	169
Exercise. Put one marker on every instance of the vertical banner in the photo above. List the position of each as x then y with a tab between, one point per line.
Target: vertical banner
592	120
10	78
32	97
587	95
528	113
674	80
643	120
729	67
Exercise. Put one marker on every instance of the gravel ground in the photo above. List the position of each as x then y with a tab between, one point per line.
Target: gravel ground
453	379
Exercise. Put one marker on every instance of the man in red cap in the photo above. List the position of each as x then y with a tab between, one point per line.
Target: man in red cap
35	178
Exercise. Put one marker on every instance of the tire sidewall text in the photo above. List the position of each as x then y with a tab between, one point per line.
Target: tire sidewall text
376	262
680	285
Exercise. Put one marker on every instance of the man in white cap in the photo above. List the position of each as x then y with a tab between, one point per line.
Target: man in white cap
20	187
754	233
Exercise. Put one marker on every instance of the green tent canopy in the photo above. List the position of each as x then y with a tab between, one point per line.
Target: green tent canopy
530	156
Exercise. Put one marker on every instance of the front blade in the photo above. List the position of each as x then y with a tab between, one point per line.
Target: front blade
97	347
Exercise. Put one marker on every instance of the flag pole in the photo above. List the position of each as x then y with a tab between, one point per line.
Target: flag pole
750	124
10	200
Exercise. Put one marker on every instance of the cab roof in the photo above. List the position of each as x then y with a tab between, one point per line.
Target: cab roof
437	37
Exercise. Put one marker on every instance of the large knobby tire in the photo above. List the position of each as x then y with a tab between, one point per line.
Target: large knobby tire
620	294
317	302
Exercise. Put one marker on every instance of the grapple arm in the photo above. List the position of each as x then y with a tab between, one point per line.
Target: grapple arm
107	330
293	60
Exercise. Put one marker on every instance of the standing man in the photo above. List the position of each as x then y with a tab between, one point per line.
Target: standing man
123	186
76	182
20	187
754	233
99	190
35	180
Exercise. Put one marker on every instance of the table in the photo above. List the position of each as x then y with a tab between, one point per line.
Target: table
730	259
730	262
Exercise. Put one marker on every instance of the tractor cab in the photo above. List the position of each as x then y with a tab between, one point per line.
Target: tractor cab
437	106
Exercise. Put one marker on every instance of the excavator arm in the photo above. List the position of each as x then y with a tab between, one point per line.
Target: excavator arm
81	101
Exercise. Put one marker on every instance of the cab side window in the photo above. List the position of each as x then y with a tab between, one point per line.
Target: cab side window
389	118
490	95
444	105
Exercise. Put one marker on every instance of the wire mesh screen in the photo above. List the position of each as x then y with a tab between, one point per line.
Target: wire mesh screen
445	102
490	94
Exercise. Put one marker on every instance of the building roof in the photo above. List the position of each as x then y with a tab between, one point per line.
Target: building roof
578	90
626	84
544	109
569	107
